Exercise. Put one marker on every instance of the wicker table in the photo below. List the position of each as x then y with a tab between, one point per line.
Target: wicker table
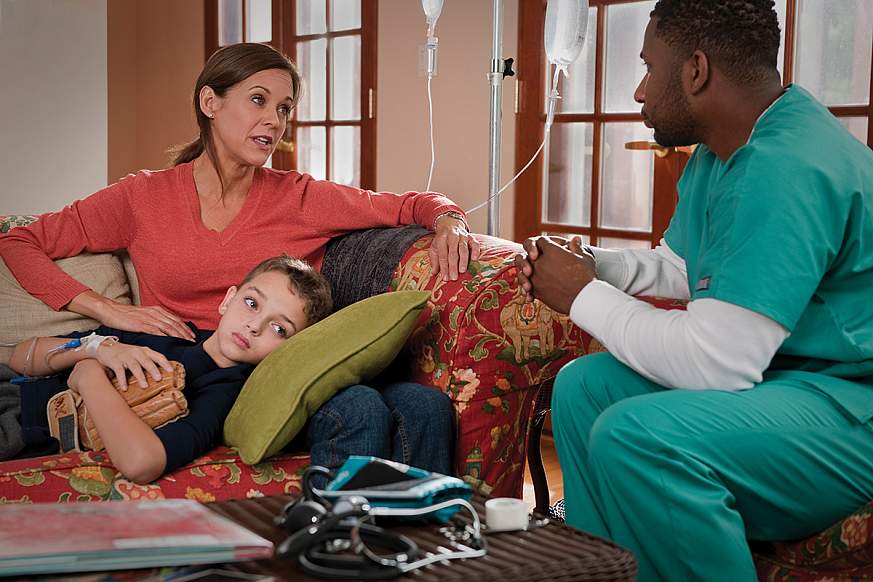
554	552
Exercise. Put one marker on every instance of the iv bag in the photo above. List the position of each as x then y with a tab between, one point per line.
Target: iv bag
432	10
566	24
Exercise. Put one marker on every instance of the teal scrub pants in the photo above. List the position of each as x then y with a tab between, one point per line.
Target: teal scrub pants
683	478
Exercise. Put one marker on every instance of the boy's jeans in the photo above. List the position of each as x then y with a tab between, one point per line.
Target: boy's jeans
401	421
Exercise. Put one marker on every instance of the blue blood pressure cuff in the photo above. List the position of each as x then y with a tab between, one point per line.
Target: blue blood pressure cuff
395	485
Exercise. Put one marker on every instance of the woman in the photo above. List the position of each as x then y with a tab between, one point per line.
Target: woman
192	230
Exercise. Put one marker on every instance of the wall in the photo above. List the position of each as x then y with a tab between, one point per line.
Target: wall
461	98
53	101
155	54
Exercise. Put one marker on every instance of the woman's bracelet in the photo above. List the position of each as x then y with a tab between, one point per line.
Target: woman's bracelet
453	214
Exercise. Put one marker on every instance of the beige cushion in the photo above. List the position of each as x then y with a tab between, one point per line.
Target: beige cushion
23	316
352	345
132	279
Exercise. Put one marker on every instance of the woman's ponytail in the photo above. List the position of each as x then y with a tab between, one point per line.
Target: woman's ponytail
188	152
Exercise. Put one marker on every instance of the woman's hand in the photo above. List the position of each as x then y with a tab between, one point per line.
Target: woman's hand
453	247
139	360
154	320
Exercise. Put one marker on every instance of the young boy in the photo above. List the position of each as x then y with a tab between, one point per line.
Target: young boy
277	299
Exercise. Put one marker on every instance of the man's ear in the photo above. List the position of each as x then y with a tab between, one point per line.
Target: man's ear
231	291
208	101
696	72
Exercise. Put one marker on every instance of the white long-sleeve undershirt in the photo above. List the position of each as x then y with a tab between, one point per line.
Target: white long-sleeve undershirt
712	344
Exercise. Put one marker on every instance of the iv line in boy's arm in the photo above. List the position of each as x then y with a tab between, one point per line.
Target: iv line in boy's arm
40	356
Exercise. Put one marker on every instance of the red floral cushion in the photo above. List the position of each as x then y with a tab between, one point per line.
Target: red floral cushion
90	476
842	552
489	351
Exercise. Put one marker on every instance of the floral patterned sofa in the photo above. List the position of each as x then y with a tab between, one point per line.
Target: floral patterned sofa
476	340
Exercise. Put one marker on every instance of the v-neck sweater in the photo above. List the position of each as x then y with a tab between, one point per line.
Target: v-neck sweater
181	264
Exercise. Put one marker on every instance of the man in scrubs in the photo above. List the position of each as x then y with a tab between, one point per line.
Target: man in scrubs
748	415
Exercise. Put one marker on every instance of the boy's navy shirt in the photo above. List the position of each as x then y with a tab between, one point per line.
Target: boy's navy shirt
209	390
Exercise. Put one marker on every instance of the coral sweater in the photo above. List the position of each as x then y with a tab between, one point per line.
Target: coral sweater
182	265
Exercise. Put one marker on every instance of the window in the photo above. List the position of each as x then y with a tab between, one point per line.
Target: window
828	49
603	181
332	134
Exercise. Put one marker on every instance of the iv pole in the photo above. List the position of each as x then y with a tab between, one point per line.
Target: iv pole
495	78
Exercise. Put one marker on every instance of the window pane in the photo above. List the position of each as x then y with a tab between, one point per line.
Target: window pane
622	243
577	89
625	28
345	73
229	22
312	60
311	151
259	20
345	14
833	50
626	178
311	17
568	181
857	126
345	149
780	13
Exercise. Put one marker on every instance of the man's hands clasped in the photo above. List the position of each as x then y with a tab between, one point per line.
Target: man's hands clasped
554	270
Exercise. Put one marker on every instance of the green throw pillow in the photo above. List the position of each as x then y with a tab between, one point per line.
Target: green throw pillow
351	346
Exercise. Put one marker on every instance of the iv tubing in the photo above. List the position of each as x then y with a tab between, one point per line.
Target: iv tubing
430	123
550	117
514	178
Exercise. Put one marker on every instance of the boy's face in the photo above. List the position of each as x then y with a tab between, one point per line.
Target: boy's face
258	317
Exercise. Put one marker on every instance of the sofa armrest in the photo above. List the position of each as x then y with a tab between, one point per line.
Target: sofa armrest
489	351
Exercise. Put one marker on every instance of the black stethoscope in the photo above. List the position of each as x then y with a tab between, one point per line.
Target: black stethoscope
337	540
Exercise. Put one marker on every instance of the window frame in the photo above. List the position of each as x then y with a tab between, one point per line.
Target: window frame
788	73
284	39
530	122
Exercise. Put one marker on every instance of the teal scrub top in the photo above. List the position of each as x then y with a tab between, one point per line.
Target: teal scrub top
784	228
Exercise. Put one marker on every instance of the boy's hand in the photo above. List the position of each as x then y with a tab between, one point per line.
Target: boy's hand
85	373
139	360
